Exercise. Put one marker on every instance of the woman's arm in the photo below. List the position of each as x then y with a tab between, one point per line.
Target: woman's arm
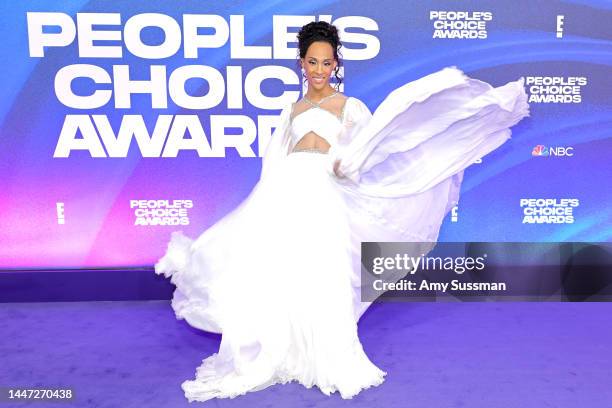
357	115
278	145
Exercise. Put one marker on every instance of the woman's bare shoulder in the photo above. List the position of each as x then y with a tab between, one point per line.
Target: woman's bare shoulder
343	96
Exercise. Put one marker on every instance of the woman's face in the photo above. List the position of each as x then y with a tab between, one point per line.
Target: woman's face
318	64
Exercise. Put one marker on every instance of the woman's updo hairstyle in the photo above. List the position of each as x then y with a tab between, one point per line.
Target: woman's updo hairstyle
320	31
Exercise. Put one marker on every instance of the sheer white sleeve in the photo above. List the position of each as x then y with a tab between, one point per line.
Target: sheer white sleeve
356	117
278	146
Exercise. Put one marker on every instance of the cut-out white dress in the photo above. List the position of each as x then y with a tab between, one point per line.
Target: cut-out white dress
279	276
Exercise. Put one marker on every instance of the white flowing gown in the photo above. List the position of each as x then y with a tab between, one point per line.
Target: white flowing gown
279	276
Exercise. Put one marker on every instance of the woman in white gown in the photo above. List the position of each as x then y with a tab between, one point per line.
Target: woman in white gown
279	276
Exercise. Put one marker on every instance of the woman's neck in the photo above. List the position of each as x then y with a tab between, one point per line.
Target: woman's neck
316	95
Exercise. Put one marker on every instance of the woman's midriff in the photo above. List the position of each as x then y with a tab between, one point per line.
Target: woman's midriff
312	142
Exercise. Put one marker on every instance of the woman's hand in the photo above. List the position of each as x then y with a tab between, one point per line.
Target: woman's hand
336	169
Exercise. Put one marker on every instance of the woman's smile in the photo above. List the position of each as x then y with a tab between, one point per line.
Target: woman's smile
318	80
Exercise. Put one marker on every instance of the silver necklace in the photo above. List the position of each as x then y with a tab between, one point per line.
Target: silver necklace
317	104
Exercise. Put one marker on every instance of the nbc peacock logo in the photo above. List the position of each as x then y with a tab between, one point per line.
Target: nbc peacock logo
552	151
540	150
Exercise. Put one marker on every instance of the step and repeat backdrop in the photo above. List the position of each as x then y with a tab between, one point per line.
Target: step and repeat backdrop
124	121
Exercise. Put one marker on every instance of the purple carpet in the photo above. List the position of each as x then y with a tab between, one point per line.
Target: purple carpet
136	354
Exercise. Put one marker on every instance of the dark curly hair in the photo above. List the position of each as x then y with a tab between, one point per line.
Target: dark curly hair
320	31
